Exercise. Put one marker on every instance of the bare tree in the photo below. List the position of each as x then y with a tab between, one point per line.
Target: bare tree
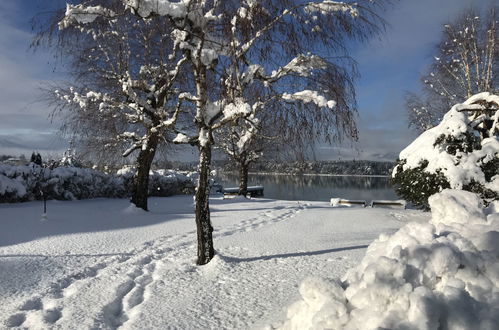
307	97
466	63
123	93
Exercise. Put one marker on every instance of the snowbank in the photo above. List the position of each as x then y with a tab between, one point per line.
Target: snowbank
24	183
438	275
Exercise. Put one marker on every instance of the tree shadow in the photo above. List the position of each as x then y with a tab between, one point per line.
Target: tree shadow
23	222
117	254
290	255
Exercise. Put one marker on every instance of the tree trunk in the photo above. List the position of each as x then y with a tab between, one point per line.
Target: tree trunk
203	223
243	178
141	179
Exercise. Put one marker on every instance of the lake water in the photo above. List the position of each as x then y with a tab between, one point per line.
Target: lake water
315	187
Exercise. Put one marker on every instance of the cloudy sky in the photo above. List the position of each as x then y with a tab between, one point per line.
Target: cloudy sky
389	67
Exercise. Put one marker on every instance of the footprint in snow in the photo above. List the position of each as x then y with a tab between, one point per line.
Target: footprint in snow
15	320
52	315
32	304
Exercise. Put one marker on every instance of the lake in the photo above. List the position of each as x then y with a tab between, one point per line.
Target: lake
316	187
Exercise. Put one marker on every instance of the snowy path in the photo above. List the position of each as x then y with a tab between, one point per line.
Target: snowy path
99	264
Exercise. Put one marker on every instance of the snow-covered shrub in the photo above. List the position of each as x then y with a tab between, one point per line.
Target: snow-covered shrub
161	182
11	189
462	152
32	182
438	275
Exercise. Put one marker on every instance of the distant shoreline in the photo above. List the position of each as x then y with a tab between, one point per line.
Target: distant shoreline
312	174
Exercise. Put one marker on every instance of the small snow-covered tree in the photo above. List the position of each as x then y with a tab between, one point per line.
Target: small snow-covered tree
125	76
466	63
36	158
462	152
199	33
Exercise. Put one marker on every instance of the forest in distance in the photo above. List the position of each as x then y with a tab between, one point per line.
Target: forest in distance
326	167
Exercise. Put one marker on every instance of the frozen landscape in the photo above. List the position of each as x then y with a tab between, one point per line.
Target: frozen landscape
104	231
103	264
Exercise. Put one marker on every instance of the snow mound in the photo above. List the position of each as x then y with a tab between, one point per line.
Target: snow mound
438	275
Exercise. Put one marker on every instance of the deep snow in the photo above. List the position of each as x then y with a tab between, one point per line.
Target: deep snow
104	264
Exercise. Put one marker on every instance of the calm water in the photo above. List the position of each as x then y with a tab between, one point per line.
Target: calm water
316	188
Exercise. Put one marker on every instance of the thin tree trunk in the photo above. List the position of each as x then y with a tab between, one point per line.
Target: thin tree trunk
141	178
203	223
243	178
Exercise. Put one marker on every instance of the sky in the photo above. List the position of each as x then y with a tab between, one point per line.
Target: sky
389	66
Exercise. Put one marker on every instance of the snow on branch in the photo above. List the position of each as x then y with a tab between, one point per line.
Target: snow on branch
328	7
308	96
249	134
135	146
236	109
80	14
302	65
181	138
146	8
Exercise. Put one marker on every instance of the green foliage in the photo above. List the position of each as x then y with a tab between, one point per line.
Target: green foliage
479	189
490	169
415	185
466	143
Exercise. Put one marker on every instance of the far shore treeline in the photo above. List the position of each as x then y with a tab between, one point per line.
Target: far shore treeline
331	167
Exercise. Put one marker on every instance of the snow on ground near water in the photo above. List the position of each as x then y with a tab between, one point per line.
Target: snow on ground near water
104	264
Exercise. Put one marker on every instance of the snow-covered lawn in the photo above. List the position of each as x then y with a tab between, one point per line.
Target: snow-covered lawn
103	264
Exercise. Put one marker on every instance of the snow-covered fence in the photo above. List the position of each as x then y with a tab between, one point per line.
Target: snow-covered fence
438	275
25	183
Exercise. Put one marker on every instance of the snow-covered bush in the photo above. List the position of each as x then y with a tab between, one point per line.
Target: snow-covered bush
161	182
438	275
462	152
31	182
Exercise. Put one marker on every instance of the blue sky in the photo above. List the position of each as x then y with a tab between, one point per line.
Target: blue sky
390	66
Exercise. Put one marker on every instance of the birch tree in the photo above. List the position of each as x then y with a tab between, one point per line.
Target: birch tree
123	90
199	34
309	98
466	63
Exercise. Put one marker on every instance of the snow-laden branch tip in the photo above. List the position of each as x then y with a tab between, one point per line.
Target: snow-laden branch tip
302	65
181	138
308	96
236	109
129	136
146	8
227	112
328	7
80	14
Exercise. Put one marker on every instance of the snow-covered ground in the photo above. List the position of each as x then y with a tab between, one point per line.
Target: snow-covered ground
101	264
